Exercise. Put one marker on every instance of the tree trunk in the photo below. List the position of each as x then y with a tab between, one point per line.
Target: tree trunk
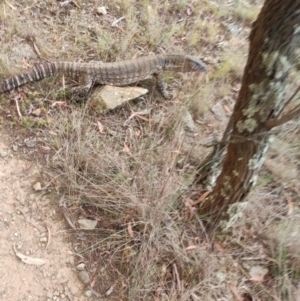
273	41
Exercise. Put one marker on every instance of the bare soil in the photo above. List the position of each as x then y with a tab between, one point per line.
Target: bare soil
30	223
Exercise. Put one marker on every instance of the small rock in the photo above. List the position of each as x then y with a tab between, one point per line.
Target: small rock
3	154
101	10
88	294
189	122
87	224
30	143
110	290
109	97
37	112
221	276
258	271
84	277
43	239
37	186
80	267
234	29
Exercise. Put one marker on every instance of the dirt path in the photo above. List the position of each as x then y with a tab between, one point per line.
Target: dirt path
25	216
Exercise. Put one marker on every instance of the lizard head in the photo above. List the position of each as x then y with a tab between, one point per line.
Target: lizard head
193	64
185	63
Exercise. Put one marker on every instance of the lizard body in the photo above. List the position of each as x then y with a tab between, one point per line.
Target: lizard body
116	74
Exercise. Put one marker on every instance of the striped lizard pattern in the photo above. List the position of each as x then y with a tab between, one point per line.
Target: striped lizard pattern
115	74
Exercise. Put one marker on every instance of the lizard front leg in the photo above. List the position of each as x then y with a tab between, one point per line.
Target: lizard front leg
161	85
81	92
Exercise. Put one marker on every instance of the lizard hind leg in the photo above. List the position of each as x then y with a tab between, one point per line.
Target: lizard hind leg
82	92
161	86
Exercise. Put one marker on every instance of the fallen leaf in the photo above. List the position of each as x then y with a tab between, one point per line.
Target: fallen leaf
94	280
189	204
100	126
126	149
190	248
257	279
29	260
130	231
226	108
202	197
58	104
45	148
138	133
52	133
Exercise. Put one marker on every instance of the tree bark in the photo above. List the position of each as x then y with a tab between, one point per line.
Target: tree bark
273	41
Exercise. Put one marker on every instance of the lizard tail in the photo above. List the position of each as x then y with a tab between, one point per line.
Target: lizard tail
37	73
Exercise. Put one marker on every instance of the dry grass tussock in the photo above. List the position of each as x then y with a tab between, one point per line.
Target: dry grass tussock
131	183
130	173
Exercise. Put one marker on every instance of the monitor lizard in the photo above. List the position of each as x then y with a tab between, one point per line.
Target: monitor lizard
115	74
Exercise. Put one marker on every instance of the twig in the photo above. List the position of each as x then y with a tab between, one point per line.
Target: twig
289	100
208	240
28	221
285	118
49	236
10	5
134	114
31	40
18	109
114	24
68	219
177	277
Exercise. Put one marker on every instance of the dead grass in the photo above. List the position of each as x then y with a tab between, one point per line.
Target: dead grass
131	175
132	181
